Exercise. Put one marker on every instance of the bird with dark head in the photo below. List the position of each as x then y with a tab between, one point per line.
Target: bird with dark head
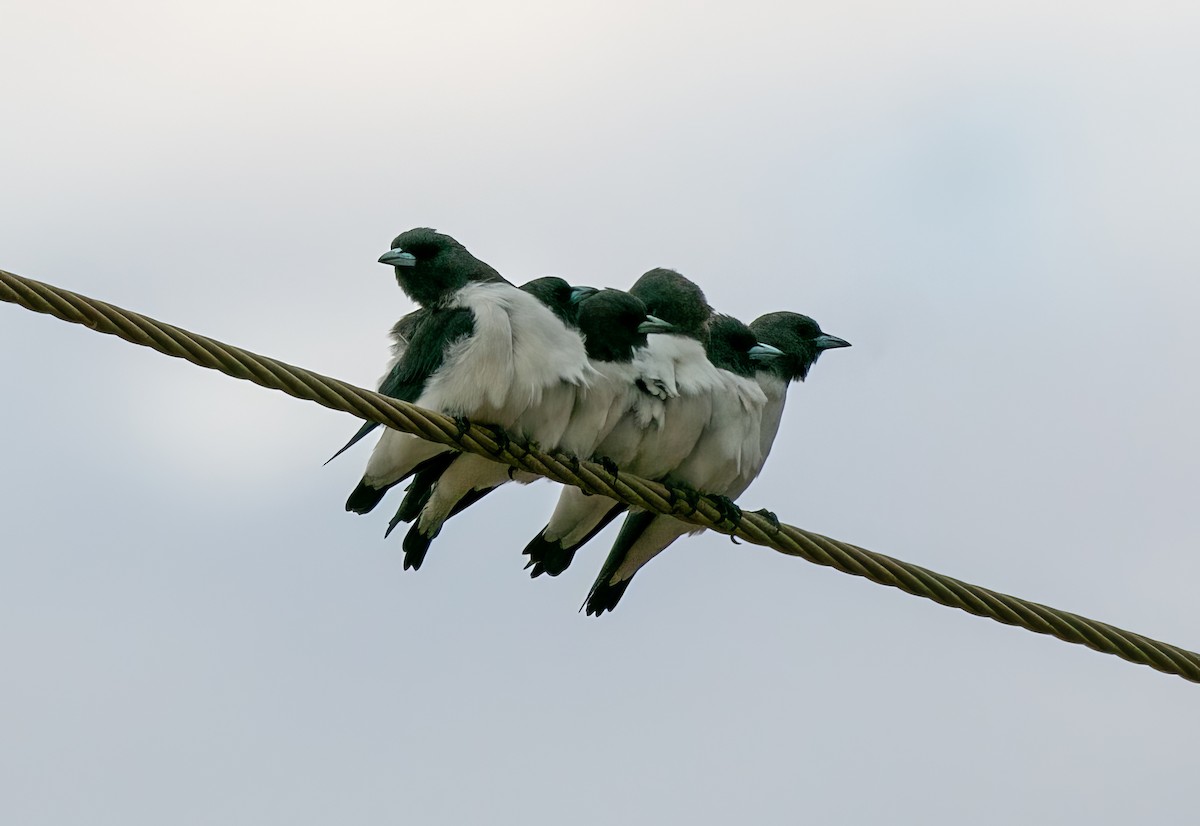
478	348
798	342
431	268
728	447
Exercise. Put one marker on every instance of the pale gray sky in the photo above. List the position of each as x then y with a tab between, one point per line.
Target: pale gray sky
995	202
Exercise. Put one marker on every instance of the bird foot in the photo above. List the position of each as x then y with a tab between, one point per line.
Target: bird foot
609	465
684	493
500	436
462	425
769	516
730	512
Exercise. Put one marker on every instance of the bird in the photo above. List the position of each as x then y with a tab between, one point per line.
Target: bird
614	326
656	433
801	342
789	344
729	444
478	348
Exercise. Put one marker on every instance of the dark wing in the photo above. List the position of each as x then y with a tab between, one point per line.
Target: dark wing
428	340
404	329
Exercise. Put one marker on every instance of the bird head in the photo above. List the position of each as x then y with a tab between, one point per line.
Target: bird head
560	297
730	345
614	324
431	266
674	299
799	341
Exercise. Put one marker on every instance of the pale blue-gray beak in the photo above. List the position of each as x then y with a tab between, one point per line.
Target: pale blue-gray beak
580	293
764	352
655	325
398	258
828	342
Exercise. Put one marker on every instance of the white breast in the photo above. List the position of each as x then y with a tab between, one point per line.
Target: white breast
730	445
598	407
518	350
683	418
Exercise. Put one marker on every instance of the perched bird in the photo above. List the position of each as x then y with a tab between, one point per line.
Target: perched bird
730	444
478	348
656	433
614	326
789	345
800	342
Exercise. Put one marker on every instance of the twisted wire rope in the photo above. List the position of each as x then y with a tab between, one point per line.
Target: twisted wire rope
631	490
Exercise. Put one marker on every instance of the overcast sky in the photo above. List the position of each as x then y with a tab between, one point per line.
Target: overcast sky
995	202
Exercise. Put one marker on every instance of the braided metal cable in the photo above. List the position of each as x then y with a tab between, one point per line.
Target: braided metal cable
637	492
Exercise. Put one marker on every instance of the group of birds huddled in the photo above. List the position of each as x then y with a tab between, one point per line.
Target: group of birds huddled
651	382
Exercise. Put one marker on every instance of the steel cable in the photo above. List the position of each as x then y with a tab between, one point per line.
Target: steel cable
756	528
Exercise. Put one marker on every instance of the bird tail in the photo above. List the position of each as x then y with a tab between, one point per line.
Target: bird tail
605	597
421	488
416	542
605	594
468	499
364	498
554	557
416	545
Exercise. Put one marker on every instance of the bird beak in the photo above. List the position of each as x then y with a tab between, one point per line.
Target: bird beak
655	325
764	352
580	293
828	342
398	258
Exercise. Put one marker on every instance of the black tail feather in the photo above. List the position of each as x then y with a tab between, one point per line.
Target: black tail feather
416	546
605	597
364	498
605	593
547	557
552	557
